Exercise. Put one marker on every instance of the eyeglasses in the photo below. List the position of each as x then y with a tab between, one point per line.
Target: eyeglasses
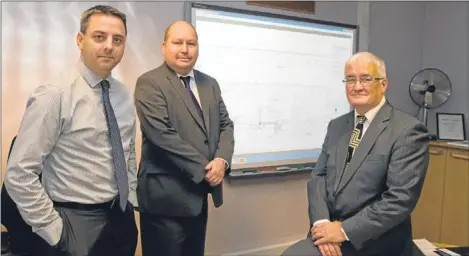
365	80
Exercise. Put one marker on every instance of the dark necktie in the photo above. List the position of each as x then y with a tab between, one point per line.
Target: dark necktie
118	158
355	138
186	80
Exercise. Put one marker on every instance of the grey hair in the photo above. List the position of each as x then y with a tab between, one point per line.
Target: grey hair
379	63
104	9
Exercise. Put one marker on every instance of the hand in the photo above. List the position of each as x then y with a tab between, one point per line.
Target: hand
330	232
330	249
216	172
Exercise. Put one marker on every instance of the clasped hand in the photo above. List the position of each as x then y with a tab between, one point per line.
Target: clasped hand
328	237
215	172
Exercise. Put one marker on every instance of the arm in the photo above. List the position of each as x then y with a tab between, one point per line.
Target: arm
226	143
132	172
405	177
152	111
317	197
38	133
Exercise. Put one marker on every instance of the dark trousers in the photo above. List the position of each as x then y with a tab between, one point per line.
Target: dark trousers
173	236
95	231
306	247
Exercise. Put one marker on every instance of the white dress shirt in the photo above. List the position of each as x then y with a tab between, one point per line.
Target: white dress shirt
370	115
64	136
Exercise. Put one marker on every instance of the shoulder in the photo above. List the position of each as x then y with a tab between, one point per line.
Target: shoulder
341	120
54	89
401	118
201	76
155	73
403	123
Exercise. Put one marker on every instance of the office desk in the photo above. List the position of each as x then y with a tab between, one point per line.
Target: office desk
442	213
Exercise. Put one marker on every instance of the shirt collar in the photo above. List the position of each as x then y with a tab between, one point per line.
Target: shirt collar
191	74
90	77
372	112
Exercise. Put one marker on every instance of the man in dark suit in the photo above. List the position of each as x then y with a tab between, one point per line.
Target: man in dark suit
187	145
369	175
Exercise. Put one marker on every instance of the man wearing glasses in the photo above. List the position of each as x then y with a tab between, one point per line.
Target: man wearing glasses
369	175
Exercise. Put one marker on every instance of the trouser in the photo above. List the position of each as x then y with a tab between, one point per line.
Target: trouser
95	230
173	236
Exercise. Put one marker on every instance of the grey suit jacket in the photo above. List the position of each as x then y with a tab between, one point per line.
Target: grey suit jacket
378	190
177	144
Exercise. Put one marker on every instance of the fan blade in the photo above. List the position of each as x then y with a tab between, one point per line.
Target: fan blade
431	78
428	98
442	92
419	87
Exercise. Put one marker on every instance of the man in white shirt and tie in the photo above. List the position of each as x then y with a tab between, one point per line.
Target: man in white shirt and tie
79	133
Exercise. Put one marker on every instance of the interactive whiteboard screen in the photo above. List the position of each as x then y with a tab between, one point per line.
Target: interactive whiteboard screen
280	77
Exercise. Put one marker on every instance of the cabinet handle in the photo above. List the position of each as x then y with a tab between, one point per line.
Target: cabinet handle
435	152
460	156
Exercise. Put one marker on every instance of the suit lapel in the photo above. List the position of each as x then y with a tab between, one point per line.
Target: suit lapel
342	148
374	130
205	94
186	98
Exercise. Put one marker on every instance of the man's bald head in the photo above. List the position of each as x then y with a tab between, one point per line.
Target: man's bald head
178	23
180	47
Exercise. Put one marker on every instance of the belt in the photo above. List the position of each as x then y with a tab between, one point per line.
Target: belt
87	207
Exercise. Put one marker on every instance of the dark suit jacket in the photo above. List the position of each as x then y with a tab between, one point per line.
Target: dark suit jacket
177	144
375	195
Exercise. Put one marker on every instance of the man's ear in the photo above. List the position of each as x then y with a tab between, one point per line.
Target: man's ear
384	83
163	46
80	38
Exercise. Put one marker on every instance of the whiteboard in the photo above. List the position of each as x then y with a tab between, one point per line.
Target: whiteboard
280	77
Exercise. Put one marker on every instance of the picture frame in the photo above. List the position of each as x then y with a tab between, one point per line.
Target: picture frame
450	126
295	6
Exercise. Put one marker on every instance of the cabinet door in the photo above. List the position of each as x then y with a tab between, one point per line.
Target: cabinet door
426	217
455	224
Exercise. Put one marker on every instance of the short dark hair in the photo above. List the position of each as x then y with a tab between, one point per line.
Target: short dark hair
104	9
166	33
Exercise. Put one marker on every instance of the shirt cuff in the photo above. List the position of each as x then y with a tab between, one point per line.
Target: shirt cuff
226	163
320	221
346	237
52	232
133	198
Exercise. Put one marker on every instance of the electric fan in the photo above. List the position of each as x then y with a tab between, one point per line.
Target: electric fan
429	88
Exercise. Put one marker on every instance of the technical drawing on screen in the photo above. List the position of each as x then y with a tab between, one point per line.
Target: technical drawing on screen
280	77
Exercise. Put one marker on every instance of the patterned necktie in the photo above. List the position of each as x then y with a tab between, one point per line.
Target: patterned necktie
117	150
355	138
186	80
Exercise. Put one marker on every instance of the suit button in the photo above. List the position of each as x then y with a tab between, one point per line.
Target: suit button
206	142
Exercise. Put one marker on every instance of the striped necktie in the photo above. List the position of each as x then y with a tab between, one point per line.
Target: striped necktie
118	158
355	138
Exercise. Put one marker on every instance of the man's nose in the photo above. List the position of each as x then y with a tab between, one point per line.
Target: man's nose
184	48
108	44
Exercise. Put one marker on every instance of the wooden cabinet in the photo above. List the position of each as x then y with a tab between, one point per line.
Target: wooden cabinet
426	218
455	217
442	213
